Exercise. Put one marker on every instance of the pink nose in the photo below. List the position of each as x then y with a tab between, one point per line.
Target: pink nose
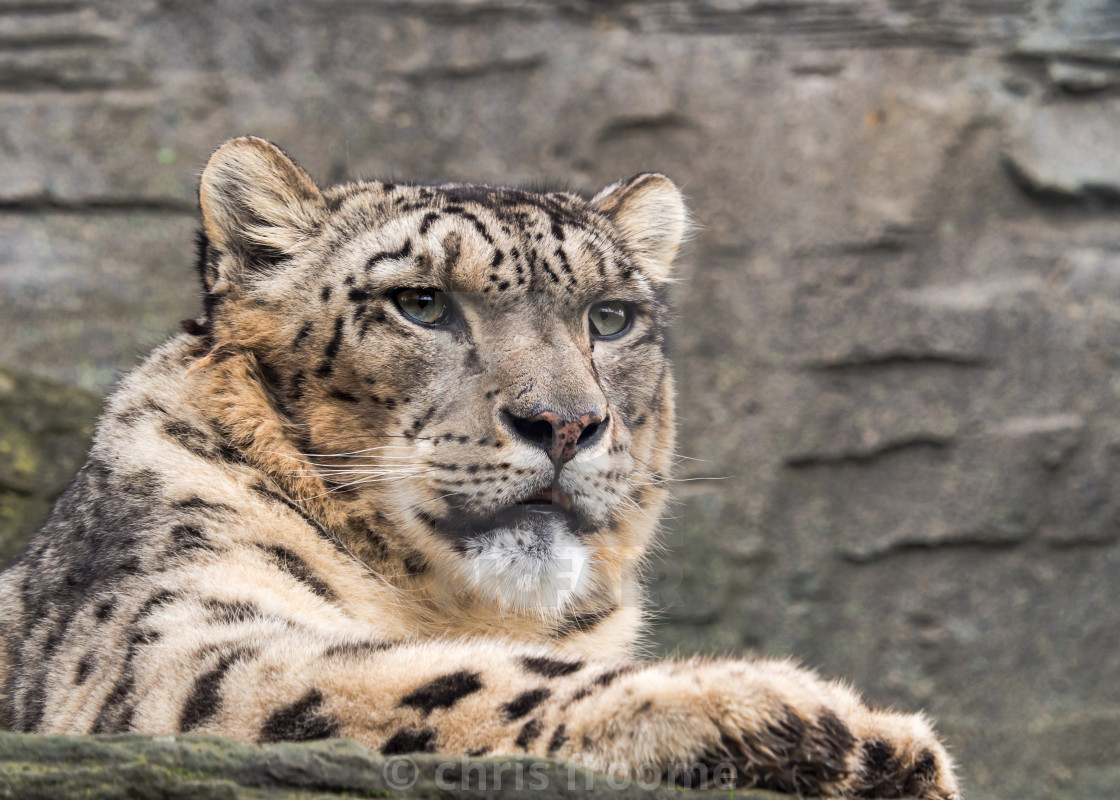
560	438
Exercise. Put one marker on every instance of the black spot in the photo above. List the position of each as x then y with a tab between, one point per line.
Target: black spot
559	738
601	682
607	678
299	722
355	649
188	537
266	493
422	421
564	265
298	569
475	221
188	436
130	566
528	734
838	739
549	667
410	740
922	776
552	276
881	768
161	598
359	295
325	294
443	692
105	610
295	392
404	252
194	327
496	261
788	729
115	716
524	703
415	564
304	332
205	697
345	397
331	350
877	755
130	416
196	502
228	612
582	622
83	670
479	752
426	223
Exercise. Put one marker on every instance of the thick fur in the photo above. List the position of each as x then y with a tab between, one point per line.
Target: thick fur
303	517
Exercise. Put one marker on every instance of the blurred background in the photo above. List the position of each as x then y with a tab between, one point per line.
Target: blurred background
898	347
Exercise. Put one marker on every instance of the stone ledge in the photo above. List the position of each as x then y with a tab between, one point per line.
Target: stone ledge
139	767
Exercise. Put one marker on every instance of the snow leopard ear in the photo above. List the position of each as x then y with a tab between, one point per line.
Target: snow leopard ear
258	207
650	212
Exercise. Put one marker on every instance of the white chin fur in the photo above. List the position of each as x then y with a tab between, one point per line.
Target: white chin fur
538	566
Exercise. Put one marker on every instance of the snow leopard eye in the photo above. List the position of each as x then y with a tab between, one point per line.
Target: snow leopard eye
426	306
609	319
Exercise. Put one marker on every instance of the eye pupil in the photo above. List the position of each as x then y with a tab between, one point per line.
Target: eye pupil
426	306
611	318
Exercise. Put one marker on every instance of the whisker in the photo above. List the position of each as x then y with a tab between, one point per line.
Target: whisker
359	482
314	464
404	473
678	455
357	452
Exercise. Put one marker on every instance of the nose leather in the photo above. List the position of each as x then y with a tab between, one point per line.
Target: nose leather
565	434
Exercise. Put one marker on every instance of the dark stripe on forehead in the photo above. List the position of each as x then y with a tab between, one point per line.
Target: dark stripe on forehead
391	255
475	221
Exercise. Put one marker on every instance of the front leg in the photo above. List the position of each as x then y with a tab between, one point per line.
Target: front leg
773	725
766	724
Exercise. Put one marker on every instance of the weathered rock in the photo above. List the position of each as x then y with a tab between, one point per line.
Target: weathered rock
1069	150
45	430
133	767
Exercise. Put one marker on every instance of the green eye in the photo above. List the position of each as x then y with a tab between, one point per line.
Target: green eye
426	306
609	319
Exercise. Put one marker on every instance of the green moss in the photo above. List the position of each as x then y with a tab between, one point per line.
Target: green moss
194	767
45	431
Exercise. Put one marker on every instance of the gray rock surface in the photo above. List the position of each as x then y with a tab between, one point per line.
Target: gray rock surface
899	332
45	431
194	767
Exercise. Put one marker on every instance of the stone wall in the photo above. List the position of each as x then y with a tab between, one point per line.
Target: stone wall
899	325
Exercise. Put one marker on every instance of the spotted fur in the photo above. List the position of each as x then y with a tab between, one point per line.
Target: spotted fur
310	515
